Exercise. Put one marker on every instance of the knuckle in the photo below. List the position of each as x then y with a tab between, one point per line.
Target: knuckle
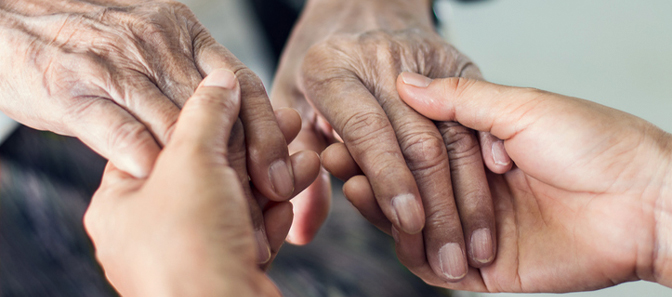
250	83
460	142
441	215
327	59
128	136
457	86
423	150
439	218
72	75
363	128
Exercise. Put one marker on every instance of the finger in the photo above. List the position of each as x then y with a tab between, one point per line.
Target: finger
425	153
205	123
337	160
238	161
311	206
371	140
472	192
479	105
269	164
306	166
358	191
410	248
211	116
142	99
494	153
115	134
278	219
289	122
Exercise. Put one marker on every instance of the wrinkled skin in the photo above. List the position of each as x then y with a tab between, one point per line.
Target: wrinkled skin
116	73
339	70
184	230
587	205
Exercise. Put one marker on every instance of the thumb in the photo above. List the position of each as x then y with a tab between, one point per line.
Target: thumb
207	118
479	105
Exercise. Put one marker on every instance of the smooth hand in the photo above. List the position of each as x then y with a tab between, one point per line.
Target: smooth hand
588	203
186	230
339	70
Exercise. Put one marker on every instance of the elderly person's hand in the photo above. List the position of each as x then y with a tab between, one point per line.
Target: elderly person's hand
588	204
339	70
185	230
115	74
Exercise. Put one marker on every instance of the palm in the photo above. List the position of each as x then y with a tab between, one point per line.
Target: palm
551	239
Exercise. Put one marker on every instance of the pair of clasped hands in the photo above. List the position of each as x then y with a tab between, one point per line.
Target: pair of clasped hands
483	187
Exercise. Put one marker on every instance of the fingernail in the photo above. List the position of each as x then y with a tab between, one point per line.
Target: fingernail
481	245
263	250
395	234
409	213
415	79
222	78
281	178
451	259
499	153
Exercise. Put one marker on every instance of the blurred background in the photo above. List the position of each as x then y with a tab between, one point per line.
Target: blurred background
614	52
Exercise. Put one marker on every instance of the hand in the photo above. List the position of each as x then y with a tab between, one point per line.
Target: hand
588	203
115	74
185	230
345	65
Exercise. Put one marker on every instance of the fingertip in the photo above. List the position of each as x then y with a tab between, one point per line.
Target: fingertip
289	122
337	160
419	93
360	194
410	215
282	178
494	153
306	168
482	247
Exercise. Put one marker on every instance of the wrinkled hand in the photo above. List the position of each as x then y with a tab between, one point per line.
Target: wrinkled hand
589	203
346	69
185	230
115	74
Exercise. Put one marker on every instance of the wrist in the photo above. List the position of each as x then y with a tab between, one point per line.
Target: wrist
354	16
